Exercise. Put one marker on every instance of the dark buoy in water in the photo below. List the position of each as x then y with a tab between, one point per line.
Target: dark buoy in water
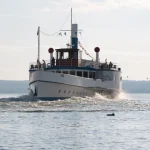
111	114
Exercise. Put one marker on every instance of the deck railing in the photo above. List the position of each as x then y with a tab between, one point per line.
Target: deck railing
101	65
79	63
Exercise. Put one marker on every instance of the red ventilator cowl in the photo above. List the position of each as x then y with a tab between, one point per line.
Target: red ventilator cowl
50	50
97	49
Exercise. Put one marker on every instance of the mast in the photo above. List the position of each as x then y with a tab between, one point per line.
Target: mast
71	17
38	33
71	28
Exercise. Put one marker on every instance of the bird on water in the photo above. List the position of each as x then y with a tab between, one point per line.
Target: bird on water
111	114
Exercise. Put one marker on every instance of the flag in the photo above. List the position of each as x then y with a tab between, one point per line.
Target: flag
60	34
65	33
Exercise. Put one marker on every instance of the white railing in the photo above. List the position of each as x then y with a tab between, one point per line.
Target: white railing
39	66
81	63
101	65
86	63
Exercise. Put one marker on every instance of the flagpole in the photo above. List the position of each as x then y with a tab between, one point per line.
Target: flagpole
71	28
39	43
71	17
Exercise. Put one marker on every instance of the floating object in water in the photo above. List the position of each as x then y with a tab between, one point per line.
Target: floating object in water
111	114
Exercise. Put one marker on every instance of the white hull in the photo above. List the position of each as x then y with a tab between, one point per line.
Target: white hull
52	91
52	86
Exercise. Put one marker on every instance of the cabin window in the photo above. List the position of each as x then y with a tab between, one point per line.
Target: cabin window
65	72
65	91
58	71
79	73
72	72
85	74
93	75
90	74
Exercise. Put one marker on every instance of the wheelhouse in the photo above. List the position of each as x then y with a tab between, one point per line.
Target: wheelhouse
67	57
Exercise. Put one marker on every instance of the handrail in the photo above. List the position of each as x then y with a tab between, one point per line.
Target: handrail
81	63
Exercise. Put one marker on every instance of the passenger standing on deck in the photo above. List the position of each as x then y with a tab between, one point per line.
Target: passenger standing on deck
110	64
38	64
44	64
53	62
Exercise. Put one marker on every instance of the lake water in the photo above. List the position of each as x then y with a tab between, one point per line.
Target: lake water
76	123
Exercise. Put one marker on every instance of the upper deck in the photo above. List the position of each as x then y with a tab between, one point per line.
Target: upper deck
74	64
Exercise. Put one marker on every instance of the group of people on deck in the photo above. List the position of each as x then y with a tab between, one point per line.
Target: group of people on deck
43	65
107	65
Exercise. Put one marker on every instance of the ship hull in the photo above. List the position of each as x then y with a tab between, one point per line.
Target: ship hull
53	86
57	91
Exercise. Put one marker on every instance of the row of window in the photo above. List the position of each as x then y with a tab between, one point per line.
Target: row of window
85	74
90	74
75	93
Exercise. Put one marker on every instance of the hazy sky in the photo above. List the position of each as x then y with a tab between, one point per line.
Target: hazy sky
121	28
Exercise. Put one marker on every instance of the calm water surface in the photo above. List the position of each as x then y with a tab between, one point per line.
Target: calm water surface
76	123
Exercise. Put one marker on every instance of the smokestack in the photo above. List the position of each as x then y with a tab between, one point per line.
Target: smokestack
74	36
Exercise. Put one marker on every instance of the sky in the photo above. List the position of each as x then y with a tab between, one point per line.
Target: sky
121	28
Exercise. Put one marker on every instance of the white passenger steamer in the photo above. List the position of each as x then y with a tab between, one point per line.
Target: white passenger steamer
73	76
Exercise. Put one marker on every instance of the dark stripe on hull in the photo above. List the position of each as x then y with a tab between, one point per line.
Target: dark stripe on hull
52	98
73	85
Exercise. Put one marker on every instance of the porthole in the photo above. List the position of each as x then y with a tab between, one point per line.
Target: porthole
69	92
59	91
65	91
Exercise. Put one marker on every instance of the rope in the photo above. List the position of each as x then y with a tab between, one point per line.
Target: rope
83	41
58	30
85	50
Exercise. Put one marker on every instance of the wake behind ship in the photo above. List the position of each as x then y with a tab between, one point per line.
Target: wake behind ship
69	75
